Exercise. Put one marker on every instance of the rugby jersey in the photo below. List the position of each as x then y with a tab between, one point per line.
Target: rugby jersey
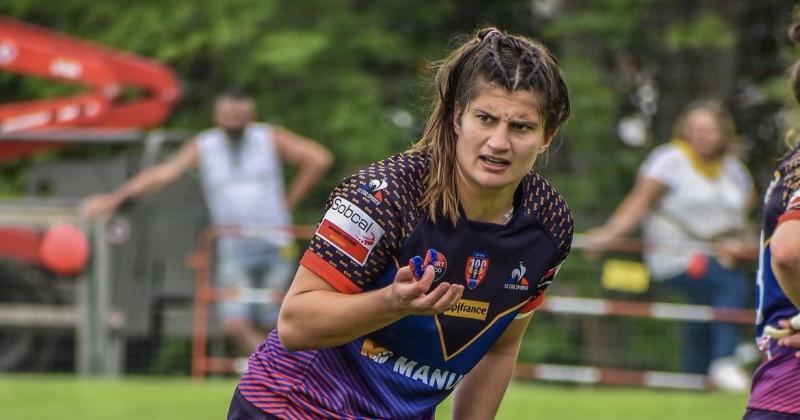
775	382
373	226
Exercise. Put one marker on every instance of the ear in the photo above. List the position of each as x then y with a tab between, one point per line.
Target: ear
548	138
457	114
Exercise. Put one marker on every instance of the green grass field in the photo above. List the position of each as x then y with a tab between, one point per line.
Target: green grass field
36	397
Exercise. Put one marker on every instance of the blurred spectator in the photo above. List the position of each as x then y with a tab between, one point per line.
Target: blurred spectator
240	166
693	197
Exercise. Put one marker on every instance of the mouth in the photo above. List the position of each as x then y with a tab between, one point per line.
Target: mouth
493	162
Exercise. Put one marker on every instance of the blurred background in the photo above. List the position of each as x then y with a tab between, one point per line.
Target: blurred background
352	75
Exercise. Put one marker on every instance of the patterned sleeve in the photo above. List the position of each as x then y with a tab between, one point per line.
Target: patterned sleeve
356	237
558	218
791	197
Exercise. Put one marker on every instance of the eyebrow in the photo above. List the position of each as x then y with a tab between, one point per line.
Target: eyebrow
523	121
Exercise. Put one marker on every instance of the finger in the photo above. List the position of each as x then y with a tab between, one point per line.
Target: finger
790	341
427	279
404	275
451	298
429	300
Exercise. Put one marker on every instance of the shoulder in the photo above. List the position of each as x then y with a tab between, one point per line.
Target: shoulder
664	154
396	179
548	206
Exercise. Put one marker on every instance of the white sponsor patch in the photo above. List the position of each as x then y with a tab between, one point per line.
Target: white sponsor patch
350	230
794	201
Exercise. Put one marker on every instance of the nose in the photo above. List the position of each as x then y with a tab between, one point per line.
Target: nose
498	140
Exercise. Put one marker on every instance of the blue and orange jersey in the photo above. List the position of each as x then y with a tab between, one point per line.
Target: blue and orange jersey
775	382
374	225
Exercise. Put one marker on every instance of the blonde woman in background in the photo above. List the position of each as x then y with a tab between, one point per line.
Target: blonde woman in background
692	197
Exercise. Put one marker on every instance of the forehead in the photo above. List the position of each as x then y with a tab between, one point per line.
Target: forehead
701	115
234	105
520	104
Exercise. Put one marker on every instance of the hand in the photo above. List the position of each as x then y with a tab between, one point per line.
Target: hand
410	296
793	339
729	251
99	206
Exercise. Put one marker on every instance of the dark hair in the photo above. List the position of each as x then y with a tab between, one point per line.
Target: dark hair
235	93
513	62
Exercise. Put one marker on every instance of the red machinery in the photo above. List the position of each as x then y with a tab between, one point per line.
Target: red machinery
123	91
106	74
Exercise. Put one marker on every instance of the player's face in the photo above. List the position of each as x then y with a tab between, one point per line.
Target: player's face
703	133
500	133
233	115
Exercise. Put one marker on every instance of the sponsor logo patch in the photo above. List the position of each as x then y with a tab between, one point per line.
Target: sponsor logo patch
350	230
377	353
374	190
476	268
473	309
517	279
429	375
794	201
439	266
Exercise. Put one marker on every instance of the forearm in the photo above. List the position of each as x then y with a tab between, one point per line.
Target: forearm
321	318
141	184
628	215
478	396
306	178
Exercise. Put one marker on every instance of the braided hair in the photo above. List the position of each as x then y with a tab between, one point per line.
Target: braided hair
492	57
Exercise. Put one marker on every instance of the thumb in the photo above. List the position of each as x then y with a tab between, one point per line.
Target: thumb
425	282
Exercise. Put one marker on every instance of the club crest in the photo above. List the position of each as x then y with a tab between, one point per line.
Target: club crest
476	268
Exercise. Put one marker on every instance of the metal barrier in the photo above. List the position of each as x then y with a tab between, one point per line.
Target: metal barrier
206	293
98	349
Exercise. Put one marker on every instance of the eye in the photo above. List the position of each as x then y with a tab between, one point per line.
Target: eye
521	127
484	118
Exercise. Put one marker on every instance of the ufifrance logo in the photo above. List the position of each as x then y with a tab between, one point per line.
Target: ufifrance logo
476	268
350	230
517	279
473	309
374	190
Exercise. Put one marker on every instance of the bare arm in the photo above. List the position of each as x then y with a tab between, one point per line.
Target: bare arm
149	180
630	213
311	158
478	396
785	249
315	315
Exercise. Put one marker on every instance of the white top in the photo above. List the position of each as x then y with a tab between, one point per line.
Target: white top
243	183
693	208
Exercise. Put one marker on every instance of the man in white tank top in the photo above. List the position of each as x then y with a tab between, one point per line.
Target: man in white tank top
240	166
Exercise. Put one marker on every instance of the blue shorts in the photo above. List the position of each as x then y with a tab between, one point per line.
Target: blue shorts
261	266
754	414
241	409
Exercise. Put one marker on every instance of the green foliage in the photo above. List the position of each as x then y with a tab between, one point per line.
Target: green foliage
708	30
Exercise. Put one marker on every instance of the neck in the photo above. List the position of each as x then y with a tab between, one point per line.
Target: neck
484	205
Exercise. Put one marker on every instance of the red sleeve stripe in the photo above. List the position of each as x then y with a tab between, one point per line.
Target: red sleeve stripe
326	272
789	215
532	304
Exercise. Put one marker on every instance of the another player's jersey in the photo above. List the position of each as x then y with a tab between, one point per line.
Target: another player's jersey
373	226
775	383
